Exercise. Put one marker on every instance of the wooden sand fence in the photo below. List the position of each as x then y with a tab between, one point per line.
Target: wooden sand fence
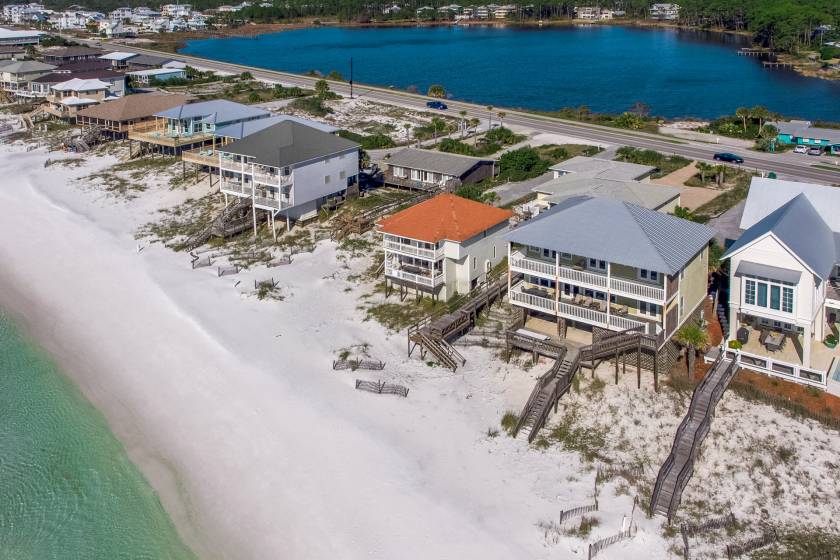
711	524
381	388
353	365
739	549
600	545
565	515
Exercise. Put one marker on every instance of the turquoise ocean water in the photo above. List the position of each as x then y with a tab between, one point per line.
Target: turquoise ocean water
67	488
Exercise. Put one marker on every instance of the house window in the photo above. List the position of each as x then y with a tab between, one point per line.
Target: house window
749	292
326	179
546	253
597	264
343	175
787	300
646	308
474	261
646	274
775	297
494	251
761	294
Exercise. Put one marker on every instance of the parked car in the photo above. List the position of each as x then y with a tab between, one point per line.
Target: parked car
436	105
727	157
800	149
815	151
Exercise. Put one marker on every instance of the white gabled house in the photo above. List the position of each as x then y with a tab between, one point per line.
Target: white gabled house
443	246
288	169
784	301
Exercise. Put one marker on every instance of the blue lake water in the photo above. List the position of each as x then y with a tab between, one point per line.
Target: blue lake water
607	68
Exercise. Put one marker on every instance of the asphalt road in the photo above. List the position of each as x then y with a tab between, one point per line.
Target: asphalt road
791	166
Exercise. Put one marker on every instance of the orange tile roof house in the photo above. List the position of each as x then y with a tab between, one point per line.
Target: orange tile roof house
443	246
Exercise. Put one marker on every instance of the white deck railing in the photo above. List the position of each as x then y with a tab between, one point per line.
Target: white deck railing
618	286
413	250
421	279
778	368
577	312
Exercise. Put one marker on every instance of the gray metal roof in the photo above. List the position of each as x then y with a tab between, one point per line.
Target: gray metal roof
288	143
747	268
766	195
603	168
148	60
649	195
242	129
437	162
800	227
617	232
21	66
803	129
219	111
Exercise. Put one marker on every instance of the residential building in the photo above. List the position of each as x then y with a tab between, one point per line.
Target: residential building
661	198
116	118
666	12
118	60
595	264
120	15
784	283
15	75
502	12
66	98
192	125
587	12
40	87
144	77
482	12
430	170
288	169
582	166
804	134
12	51
147	61
443	246
176	10
63	55
16	37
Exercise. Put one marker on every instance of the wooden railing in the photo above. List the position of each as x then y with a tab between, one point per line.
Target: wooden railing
423	253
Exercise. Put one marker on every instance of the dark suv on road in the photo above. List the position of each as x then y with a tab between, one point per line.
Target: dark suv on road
436	105
729	158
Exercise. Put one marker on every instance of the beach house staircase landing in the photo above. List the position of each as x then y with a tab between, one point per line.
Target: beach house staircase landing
349	222
233	220
679	466
434	333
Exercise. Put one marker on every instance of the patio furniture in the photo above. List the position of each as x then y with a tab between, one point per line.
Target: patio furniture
578	299
774	341
601	305
586	301
743	335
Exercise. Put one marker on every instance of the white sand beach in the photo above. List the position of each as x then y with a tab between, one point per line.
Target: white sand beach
230	407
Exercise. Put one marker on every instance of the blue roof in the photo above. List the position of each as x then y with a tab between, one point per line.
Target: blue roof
615	231
242	129
219	111
800	227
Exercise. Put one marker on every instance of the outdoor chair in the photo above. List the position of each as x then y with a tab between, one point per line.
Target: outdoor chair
743	335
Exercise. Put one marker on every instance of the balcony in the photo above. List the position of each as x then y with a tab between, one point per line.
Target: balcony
415	275
272	179
200	156
246	190
578	276
413	250
538	301
158	135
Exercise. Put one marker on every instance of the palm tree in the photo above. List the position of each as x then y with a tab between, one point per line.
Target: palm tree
760	113
501	115
463	114
743	113
721	174
704	168
489	117
407	128
473	124
693	337
583	111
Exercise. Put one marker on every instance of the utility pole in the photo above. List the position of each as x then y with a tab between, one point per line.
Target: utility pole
351	77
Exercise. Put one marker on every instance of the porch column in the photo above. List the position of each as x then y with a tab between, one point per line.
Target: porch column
733	321
820	324
806	346
557	283
510	274
609	296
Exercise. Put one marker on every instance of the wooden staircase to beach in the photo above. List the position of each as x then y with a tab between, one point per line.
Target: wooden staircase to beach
679	466
433	334
359	222
545	395
234	219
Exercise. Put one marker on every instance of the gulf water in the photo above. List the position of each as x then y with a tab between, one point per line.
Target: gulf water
607	68
67	488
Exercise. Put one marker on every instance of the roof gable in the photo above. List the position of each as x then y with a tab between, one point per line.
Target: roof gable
288	143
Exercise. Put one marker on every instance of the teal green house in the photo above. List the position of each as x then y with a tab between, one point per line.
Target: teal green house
802	133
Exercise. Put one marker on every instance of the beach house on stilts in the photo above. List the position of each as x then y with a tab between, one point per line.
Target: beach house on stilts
288	170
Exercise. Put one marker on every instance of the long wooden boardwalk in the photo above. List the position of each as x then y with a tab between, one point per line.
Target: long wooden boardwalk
679	466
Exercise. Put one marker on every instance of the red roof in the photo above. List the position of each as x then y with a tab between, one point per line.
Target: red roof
445	216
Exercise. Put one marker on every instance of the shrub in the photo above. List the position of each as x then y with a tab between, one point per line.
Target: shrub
312	105
502	135
519	165
436	90
369	142
254	97
735	344
509	421
831	339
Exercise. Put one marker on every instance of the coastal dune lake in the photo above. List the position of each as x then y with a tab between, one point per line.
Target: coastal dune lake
67	488
607	68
